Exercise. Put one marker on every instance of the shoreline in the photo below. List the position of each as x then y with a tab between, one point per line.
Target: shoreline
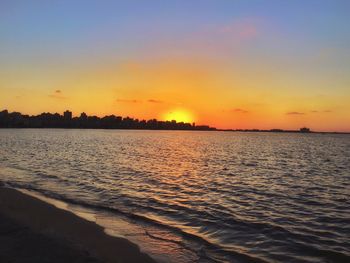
184	130
69	235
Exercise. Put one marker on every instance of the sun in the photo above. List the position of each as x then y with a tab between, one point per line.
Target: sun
179	115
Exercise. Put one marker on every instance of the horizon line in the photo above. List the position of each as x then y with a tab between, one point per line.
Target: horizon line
68	114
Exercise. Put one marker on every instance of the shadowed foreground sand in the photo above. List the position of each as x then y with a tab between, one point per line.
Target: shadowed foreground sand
34	231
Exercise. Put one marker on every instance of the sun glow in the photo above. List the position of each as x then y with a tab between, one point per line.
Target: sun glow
179	115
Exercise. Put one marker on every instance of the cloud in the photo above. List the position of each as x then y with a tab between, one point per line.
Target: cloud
155	101
248	31
238	110
137	101
219	38
128	101
295	113
320	111
53	96
57	94
243	29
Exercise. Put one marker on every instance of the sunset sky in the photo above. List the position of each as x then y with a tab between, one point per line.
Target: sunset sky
226	63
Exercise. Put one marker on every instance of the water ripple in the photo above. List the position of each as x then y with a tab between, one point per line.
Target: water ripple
227	197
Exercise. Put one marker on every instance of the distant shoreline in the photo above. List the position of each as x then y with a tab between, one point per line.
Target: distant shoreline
67	121
284	131
212	130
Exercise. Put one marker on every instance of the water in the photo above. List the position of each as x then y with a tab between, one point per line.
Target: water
196	196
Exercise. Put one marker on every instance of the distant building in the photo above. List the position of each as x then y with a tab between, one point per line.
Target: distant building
56	120
4	113
67	115
304	130
83	116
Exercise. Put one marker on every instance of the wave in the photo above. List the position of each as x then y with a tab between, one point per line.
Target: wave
206	250
222	254
227	199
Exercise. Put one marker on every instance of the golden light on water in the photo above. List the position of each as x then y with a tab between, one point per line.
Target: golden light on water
179	115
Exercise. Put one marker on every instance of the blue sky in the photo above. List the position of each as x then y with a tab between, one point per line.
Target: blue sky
286	49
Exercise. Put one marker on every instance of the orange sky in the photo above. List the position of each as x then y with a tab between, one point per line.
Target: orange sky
227	71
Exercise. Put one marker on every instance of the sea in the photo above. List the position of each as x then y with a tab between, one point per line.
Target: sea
195	196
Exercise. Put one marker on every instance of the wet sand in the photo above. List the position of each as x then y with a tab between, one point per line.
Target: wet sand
34	231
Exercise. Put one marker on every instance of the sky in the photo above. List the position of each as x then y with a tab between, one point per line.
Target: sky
226	63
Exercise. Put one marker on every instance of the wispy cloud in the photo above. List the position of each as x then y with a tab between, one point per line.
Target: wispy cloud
295	113
238	110
219	38
137	101
245	29
57	94
321	111
128	101
154	101
53	96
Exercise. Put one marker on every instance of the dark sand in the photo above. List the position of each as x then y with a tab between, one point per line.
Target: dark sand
34	231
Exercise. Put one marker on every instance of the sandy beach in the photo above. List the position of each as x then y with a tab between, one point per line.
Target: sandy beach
34	231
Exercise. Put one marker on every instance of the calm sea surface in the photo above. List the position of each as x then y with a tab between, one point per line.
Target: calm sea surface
196	196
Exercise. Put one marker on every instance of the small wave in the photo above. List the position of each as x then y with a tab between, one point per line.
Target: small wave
239	257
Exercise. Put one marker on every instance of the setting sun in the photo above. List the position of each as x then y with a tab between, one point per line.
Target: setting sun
188	131
179	115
